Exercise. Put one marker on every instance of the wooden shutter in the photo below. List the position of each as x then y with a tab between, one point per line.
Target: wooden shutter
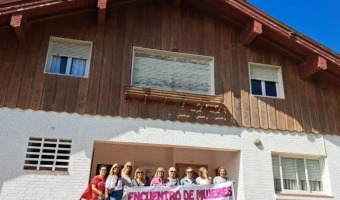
264	73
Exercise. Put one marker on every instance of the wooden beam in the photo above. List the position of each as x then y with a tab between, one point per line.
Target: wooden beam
262	41
252	29
176	3
20	25
311	66
101	11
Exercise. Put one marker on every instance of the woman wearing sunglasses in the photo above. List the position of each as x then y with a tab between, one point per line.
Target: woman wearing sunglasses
188	179
114	185
172	180
138	180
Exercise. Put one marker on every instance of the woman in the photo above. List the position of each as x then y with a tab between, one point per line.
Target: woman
138	180
221	176
203	178
158	179
127	174
96	188
172	180
114	184
188	179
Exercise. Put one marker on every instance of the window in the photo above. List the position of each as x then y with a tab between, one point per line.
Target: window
297	174
48	154
68	57
172	71
266	80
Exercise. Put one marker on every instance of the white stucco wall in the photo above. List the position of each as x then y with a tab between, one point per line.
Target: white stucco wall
255	178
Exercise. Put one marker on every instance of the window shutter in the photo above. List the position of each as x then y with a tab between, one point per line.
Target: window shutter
300	164
276	166
172	72
264	73
70	48
313	169
288	168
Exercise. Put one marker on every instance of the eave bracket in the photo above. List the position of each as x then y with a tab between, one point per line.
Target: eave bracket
101	11
313	65
251	31
20	25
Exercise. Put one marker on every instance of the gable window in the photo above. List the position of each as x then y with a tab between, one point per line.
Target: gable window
172	71
48	154
266	80
68	57
296	174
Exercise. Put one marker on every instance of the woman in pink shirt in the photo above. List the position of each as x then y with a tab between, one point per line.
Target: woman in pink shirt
158	179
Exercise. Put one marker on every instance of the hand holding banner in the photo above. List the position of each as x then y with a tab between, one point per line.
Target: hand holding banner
222	191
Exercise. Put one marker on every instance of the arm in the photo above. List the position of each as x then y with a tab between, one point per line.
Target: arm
208	180
106	193
93	186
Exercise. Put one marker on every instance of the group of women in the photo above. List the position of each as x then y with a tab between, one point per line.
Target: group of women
114	186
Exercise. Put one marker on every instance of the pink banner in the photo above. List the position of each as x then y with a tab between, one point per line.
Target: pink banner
222	191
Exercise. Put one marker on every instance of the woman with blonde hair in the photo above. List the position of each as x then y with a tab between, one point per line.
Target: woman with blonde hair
127	174
138	180
114	184
203	178
158	179
188	179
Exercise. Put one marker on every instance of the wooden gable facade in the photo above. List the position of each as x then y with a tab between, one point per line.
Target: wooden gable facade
233	32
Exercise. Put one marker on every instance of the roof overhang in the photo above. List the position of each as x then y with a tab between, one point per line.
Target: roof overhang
314	59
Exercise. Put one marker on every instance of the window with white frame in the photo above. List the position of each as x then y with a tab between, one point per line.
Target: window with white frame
266	80
48	154
68	57
296	174
173	71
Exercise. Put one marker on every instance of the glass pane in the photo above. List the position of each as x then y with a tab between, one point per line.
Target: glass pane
300	164
315	185
78	67
289	174
256	87
270	88
314	175
63	65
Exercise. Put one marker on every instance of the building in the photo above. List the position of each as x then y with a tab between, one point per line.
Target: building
164	83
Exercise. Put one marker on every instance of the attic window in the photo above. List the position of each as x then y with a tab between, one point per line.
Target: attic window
50	154
266	80
68	57
172	71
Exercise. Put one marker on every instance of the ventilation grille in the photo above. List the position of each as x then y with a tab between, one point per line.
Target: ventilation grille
48	154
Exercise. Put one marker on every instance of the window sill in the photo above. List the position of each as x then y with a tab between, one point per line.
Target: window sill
199	100
45	172
297	195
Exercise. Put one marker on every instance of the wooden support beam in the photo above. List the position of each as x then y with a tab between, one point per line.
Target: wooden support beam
176	3
252	29
20	25
101	11
311	66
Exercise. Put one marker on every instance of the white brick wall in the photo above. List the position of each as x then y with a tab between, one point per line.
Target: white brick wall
251	166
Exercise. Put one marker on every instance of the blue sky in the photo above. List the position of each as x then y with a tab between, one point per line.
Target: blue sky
317	19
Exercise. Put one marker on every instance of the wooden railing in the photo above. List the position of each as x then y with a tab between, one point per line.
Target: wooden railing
183	98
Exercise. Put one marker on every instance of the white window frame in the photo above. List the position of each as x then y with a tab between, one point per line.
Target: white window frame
180	56
70	42
308	191
39	150
279	82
